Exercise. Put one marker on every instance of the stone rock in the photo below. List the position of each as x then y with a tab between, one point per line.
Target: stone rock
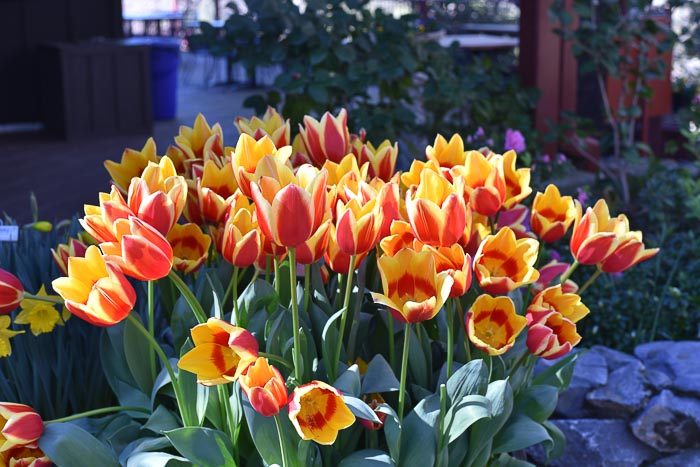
597	442
678	361
614	358
624	394
690	458
669	423
591	371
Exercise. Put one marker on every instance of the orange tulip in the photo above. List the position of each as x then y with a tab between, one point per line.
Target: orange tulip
629	251
436	209
280	198
382	159
64	251
132	164
552	317
221	352
190	247
413	289
553	214
346	172
595	235
447	154
11	292
318	412
24	457
517	180
96	290
335	258
456	263
20	425
139	250
272	125
328	139
503	263
247	156
401	236
485	183
215	190
493	325
264	386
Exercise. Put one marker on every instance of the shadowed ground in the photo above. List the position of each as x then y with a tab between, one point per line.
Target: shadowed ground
66	175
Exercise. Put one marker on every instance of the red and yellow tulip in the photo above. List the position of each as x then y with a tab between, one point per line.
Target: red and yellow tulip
503	263
359	221
313	249
272	125
630	250
549	272
382	159
247	156
484	180
328	139
221	352
63	251
200	141
552	317
516	218
11	292
335	258
413	289
24	457
493	325
96	290
553	214
140	250
190	247
264	386
239	240
456	263
413	176
517	180
215	190
436	209
279	198
447	154
595	235
21	426
132	164
318	412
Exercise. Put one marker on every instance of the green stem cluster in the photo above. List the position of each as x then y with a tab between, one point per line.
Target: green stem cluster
298	370
343	319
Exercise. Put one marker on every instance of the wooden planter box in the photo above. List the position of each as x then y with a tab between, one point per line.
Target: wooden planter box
92	89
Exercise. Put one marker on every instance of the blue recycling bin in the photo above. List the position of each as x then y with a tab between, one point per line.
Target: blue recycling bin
165	59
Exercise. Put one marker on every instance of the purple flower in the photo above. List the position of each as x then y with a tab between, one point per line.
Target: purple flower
489	142
582	196
479	133
561	158
546	159
514	141
554	254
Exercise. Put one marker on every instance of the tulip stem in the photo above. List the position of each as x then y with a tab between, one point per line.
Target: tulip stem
590	281
568	272
277	274
276	359
392	350
43	298
462	321
100	411
450	338
283	448
404	369
234	294
189	297
298	373
307	286
343	318
166	363
151	329
227	414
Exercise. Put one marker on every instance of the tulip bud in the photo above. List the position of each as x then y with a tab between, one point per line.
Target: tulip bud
11	292
264	386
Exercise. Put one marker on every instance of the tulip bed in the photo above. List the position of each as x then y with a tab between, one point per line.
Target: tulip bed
315	307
